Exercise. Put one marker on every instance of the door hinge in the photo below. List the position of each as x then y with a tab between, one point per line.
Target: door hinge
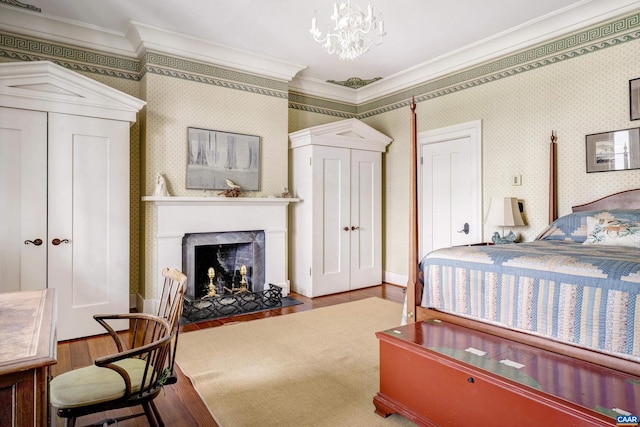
309	271
421	159
310	161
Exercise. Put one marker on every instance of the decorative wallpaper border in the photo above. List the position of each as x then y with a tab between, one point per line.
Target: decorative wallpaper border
586	41
602	36
21	48
300	101
158	63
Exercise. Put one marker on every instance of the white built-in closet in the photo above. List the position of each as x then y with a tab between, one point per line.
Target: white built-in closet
64	191
336	228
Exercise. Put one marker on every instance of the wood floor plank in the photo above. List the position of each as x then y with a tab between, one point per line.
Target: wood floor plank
180	404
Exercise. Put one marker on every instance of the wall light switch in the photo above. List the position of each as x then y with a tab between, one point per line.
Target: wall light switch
516	180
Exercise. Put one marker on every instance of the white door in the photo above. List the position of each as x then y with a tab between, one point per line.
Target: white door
23	197
366	207
88	221
450	187
332	234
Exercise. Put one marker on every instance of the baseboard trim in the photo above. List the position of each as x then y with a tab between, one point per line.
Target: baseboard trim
395	278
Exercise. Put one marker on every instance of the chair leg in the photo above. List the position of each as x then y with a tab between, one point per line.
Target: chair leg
70	422
152	415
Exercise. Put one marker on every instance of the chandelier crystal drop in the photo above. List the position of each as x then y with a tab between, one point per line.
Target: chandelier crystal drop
352	27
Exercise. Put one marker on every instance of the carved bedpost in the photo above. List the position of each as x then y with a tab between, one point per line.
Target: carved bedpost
553	197
413	289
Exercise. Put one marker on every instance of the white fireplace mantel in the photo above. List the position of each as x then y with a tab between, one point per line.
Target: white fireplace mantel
231	201
177	216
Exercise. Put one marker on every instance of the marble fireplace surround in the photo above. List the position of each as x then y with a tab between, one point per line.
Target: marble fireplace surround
177	216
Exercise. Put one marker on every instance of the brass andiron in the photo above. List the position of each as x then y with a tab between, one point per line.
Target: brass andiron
212	288
243	282
243	279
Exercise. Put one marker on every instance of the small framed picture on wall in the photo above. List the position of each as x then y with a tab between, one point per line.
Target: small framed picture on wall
612	151
634	98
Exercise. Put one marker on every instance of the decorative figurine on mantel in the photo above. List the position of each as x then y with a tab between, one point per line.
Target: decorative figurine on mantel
286	194
234	191
161	187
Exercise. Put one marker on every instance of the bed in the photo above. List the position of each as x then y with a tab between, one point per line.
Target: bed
604	333
574	284
573	292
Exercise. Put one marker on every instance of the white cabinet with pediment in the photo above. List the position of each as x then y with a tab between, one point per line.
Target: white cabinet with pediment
64	191
336	228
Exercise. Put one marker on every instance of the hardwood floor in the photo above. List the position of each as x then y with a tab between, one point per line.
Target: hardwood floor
179	404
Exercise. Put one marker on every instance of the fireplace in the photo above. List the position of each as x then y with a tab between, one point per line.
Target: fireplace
177	217
213	262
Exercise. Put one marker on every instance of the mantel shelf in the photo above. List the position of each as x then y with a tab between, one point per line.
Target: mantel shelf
194	201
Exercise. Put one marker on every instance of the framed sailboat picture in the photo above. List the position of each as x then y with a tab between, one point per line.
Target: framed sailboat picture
215	157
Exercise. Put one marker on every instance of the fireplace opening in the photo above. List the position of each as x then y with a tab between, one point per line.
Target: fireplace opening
223	263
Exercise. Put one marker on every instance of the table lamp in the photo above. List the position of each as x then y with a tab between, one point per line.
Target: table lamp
504	212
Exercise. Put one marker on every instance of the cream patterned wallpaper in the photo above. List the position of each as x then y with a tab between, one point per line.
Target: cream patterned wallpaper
299	120
584	95
132	88
174	104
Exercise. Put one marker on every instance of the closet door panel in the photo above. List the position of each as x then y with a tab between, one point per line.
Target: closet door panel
88	214
366	211
331	204
23	192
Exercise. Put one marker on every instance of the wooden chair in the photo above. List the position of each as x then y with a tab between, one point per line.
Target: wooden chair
137	372
170	309
132	376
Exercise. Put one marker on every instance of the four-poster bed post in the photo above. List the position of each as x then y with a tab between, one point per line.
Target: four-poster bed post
553	199
412	282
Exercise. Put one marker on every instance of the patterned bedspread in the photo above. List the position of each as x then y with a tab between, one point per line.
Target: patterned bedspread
586	295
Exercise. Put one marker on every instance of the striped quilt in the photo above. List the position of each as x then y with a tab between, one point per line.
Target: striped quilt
586	295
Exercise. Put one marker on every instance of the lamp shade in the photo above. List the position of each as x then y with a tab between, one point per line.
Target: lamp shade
504	212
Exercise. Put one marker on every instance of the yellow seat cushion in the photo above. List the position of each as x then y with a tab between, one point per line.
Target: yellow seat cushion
93	384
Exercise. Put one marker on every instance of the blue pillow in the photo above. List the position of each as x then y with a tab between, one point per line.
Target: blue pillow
573	227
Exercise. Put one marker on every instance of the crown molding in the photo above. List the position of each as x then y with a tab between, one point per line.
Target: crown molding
44	26
137	39
140	38
548	27
146	37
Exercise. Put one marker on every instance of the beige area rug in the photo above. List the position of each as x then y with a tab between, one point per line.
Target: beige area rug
313	368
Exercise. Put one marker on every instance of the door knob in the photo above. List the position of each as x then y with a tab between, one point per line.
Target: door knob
465	228
346	229
355	228
36	242
56	241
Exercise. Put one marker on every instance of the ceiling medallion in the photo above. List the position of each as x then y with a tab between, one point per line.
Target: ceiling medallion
351	29
25	6
354	82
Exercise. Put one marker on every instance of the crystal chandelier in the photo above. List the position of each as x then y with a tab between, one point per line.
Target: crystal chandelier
352	27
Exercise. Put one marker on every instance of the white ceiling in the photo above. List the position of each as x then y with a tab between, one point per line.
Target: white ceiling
419	32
